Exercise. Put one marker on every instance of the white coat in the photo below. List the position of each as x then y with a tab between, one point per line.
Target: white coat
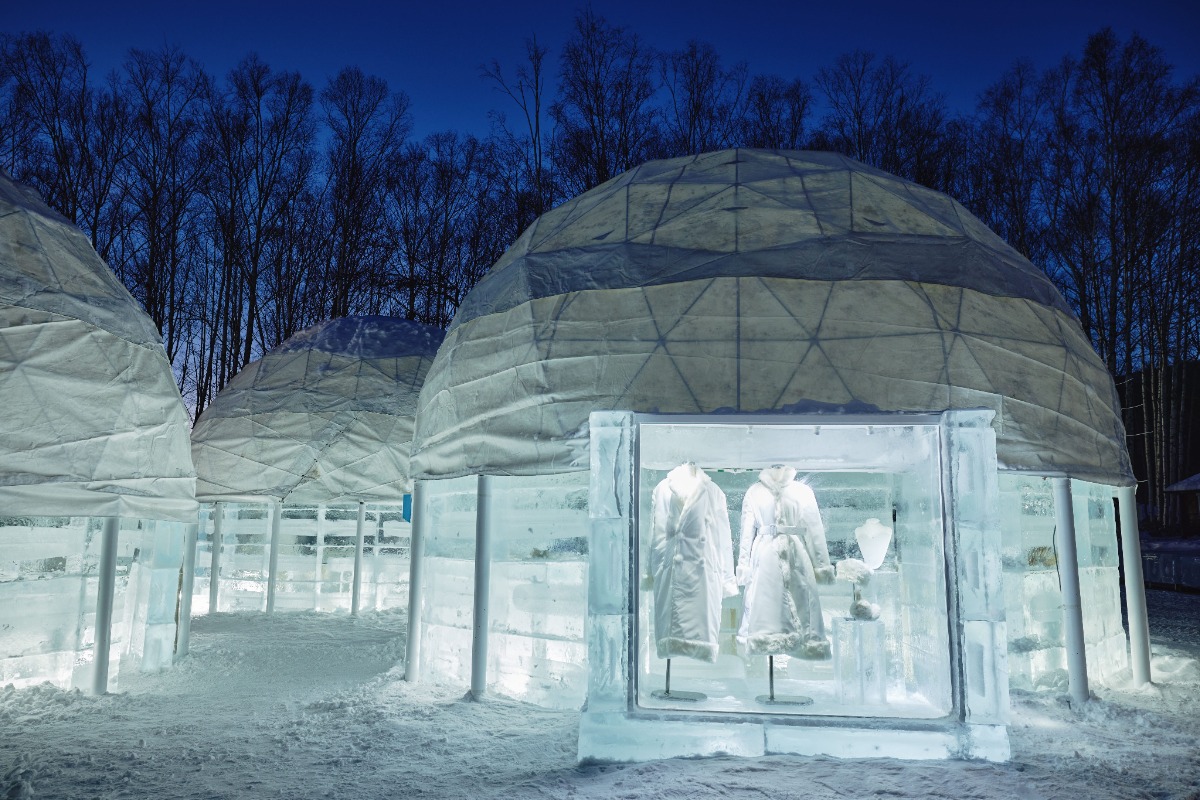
782	557
690	563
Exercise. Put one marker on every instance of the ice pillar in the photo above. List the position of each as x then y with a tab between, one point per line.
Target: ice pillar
356	586
416	584
214	572
104	603
184	632
483	580
1068	578
273	562
973	498
1135	586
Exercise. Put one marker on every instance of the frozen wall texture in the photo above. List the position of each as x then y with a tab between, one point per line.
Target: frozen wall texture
315	559
326	417
48	589
753	281
538	593
92	427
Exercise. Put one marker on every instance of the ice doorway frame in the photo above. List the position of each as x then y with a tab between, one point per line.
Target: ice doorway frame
615	728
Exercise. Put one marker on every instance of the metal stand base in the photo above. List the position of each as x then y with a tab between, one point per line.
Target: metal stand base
690	697
784	700
667	694
773	699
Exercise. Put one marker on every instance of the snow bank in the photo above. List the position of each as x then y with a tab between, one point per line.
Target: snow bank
313	706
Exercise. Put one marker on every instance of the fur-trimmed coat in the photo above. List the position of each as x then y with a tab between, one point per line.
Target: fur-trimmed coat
782	557
690	563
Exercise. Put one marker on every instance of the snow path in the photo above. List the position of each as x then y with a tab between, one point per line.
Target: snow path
312	706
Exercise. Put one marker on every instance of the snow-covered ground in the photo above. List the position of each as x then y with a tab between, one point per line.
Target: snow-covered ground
313	706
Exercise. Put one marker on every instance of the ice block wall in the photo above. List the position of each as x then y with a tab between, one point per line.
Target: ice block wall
1032	597
449	581
1106	644
315	561
918	644
48	599
154	552
538	597
48	587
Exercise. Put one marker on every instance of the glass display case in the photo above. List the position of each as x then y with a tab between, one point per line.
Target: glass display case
792	570
819	584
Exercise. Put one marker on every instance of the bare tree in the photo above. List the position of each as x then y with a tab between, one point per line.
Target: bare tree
260	144
75	134
882	114
368	124
1007	164
527	171
705	103
440	185
162	243
606	122
1120	192
775	113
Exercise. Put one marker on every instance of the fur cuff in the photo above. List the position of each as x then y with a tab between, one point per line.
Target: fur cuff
797	645
671	647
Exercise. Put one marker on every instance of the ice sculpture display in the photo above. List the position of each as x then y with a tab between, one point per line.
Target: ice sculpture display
302	461
733	284
873	538
97	490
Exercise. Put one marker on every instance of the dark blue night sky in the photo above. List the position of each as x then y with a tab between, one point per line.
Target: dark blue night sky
432	50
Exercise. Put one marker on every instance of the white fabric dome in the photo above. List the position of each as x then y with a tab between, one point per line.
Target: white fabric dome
326	417
91	421
754	282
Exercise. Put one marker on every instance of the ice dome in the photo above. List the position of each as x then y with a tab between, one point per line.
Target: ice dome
326	417
92	423
748	281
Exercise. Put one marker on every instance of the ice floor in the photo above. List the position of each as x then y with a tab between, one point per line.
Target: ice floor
311	705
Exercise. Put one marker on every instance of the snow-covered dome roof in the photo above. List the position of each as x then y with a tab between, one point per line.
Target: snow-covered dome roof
325	417
759	281
91	421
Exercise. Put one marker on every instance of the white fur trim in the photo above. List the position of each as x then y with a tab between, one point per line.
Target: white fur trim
670	647
788	644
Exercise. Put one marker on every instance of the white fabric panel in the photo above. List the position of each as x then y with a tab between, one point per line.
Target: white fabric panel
761	282
91	421
326	417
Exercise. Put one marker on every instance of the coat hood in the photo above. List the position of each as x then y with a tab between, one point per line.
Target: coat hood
685	479
776	478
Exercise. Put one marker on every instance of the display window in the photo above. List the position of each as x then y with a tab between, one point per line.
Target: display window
792	569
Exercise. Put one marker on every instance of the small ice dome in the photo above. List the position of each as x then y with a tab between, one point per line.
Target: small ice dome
325	417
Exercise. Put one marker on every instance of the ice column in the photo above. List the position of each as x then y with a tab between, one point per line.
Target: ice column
483	577
609	621
356	587
185	591
1135	586
214	572
969	458
104	604
276	512
416	583
1068	576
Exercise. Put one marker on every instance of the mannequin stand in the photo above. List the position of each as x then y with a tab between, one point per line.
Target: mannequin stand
667	694
784	699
